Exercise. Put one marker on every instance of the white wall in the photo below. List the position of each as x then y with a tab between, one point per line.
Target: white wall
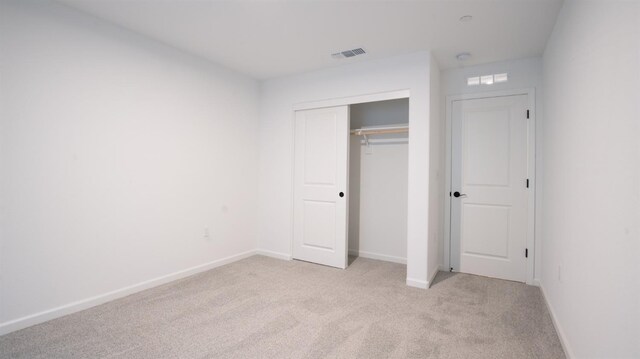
523	74
116	153
381	113
591	208
276	144
378	179
436	174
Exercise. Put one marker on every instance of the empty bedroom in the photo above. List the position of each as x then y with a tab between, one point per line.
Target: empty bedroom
320	179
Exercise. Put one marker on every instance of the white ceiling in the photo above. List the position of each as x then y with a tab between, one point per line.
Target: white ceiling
267	39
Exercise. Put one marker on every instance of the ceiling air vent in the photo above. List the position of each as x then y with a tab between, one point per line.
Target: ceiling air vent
348	53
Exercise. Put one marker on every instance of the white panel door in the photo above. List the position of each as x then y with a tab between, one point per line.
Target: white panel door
320	186
489	187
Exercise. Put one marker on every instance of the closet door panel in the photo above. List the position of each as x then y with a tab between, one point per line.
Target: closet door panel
320	186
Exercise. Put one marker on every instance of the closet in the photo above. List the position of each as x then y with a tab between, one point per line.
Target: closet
350	182
378	180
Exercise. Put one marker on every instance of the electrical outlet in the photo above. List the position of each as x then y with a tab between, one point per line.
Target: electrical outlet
206	235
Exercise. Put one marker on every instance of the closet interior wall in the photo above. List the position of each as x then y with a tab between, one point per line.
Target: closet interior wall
378	183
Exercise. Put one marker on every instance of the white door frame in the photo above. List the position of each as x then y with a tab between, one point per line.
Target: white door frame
531	168
341	101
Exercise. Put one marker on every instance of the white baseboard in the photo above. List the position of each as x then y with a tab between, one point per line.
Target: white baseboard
563	339
272	254
41	317
417	283
380	257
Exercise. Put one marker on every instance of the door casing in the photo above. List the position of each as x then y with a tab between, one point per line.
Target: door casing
531	158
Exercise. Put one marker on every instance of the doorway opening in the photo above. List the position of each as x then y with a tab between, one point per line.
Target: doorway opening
378	180
334	215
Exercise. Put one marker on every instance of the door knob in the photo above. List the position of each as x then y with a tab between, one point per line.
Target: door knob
341	194
457	194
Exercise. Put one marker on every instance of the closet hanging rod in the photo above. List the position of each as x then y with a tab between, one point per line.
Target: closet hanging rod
380	130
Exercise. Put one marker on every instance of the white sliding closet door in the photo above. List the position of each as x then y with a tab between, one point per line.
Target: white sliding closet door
320	186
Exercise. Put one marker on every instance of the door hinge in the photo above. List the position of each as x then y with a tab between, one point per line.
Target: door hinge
526	252
527	183
527	113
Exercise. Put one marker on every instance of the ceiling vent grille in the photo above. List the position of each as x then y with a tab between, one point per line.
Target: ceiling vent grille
348	53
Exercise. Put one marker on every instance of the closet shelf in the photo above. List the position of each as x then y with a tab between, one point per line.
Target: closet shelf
380	130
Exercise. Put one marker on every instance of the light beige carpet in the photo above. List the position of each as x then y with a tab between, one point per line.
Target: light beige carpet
266	308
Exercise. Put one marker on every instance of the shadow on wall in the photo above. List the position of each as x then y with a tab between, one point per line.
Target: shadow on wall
354	193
